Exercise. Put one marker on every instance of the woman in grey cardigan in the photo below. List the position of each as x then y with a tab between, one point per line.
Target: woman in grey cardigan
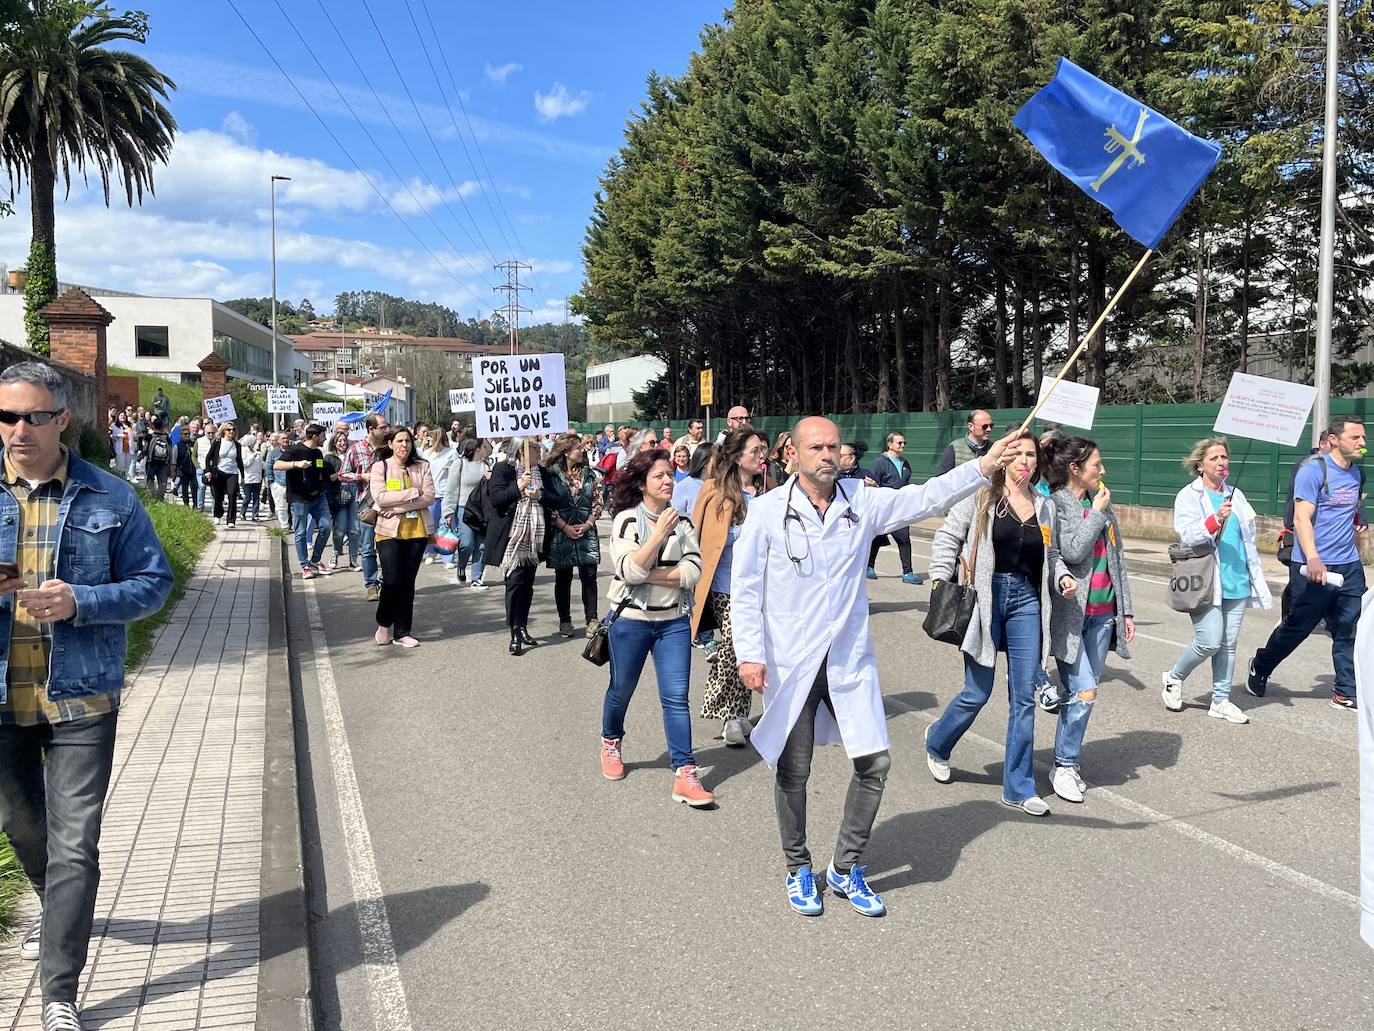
1005	533
1098	616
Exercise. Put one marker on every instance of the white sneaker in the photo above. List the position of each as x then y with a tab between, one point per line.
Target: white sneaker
478	585
1229	711
431	560
735	736
938	769
1172	693
1078	779
1034	806
61	1016
1065	784
29	946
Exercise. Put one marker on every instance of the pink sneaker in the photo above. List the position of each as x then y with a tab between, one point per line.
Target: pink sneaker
687	787
407	642
612	766
307	573
382	636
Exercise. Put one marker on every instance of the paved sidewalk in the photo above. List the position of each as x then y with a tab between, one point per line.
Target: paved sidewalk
175	943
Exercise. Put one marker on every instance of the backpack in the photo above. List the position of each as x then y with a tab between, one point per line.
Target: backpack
478	508
159	450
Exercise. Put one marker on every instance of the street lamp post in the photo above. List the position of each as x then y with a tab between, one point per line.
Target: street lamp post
1326	262
276	378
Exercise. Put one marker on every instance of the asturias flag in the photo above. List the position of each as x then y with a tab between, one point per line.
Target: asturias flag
1129	158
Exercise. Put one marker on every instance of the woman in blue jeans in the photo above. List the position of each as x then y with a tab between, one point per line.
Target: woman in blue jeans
1004	534
1095	619
1209	514
467	471
656	564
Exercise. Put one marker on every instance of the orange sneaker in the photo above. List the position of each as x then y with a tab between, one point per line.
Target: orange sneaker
612	766
687	787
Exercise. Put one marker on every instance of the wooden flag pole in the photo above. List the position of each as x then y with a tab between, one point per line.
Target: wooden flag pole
1101	319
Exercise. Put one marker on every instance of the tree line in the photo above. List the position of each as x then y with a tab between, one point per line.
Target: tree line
832	208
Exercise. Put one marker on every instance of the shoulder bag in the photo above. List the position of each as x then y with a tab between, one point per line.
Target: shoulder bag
476	506
598	648
952	604
1192	580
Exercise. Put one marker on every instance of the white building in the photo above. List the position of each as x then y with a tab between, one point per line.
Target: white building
610	386
399	410
167	336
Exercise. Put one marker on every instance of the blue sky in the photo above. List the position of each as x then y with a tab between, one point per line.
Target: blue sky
546	88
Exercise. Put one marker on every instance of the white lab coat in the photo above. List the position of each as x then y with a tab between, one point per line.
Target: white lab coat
790	615
1192	509
1364	681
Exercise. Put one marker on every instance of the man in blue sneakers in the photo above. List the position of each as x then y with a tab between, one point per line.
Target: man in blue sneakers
800	604
1324	576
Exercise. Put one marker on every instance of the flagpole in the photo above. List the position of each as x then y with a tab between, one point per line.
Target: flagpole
1120	292
1326	259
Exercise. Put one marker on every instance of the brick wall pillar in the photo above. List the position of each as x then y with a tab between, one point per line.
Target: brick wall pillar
213	378
76	328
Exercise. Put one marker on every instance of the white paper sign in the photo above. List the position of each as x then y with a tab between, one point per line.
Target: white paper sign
220	409
462	400
357	430
327	413
284	400
1072	404
1266	409
520	395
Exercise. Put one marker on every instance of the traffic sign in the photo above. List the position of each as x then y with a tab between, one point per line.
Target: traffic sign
707	388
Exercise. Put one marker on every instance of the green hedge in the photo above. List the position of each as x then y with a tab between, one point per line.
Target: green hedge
184	533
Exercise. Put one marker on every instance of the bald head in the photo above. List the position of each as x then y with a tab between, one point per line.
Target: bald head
816	443
979	426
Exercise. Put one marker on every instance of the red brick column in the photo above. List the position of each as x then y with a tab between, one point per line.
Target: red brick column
76	328
213	378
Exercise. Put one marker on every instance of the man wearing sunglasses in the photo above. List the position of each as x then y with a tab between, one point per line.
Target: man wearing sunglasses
974	444
79	561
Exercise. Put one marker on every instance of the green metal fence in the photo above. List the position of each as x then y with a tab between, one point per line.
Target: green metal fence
1142	445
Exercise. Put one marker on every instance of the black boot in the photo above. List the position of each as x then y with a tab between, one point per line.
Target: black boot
525	638
516	643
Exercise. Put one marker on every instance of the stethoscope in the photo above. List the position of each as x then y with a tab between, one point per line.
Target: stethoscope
792	514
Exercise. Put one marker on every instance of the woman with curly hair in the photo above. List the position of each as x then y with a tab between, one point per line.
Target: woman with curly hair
719	514
656	564
572	499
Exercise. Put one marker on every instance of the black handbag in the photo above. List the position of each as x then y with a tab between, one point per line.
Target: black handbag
598	648
952	604
475	509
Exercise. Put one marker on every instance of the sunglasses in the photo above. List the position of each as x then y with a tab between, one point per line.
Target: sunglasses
984	426
8	418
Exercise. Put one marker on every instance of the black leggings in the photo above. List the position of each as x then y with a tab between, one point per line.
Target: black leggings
400	561
519	594
562	593
226	486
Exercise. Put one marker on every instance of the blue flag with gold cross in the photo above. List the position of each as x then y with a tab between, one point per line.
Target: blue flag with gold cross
1136	163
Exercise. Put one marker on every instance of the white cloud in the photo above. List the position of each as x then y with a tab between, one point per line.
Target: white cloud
417	197
504	72
552	268
559	103
240	128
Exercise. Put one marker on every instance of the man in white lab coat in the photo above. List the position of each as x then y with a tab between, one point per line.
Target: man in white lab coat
799	600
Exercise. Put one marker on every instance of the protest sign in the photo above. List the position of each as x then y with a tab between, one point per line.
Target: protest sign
327	413
1265	409
462	400
520	395
1072	404
220	409
284	400
357	431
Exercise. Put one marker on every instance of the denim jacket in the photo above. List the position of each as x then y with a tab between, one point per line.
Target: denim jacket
110	556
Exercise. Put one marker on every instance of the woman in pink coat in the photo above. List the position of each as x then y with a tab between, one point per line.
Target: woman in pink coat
402	490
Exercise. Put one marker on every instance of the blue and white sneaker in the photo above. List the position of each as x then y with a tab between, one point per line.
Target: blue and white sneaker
853	887
802	893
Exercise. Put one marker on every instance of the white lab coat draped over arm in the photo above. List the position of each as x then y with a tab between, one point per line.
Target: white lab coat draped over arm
748	576
887	510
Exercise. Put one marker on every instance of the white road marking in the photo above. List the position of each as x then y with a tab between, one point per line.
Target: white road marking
386	993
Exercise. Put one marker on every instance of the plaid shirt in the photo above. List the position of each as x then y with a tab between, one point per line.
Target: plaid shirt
357	465
27	704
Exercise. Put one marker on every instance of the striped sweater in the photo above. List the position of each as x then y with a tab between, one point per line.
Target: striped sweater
651	601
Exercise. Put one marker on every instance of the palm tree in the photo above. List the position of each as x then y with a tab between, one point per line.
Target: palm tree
66	104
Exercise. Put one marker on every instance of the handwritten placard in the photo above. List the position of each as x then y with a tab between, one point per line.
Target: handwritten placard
220	409
1266	409
520	395
327	413
285	400
462	400
1072	404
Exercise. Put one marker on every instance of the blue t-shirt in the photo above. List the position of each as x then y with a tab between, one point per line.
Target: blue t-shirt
679	475
1334	522
720	583
1235	570
685	494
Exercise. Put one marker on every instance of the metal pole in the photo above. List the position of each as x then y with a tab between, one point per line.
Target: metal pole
276	379
1326	263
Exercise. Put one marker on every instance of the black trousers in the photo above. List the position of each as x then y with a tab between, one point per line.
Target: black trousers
225	487
400	561
903	539
519	594
53	780
187	480
562	593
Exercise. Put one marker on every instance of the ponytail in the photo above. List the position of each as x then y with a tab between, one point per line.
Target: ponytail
1062	452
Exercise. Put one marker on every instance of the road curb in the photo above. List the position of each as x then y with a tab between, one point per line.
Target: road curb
285	977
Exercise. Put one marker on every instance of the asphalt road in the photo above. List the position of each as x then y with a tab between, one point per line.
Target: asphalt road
1209	880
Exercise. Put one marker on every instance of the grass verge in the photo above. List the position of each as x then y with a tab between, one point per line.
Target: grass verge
184	533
